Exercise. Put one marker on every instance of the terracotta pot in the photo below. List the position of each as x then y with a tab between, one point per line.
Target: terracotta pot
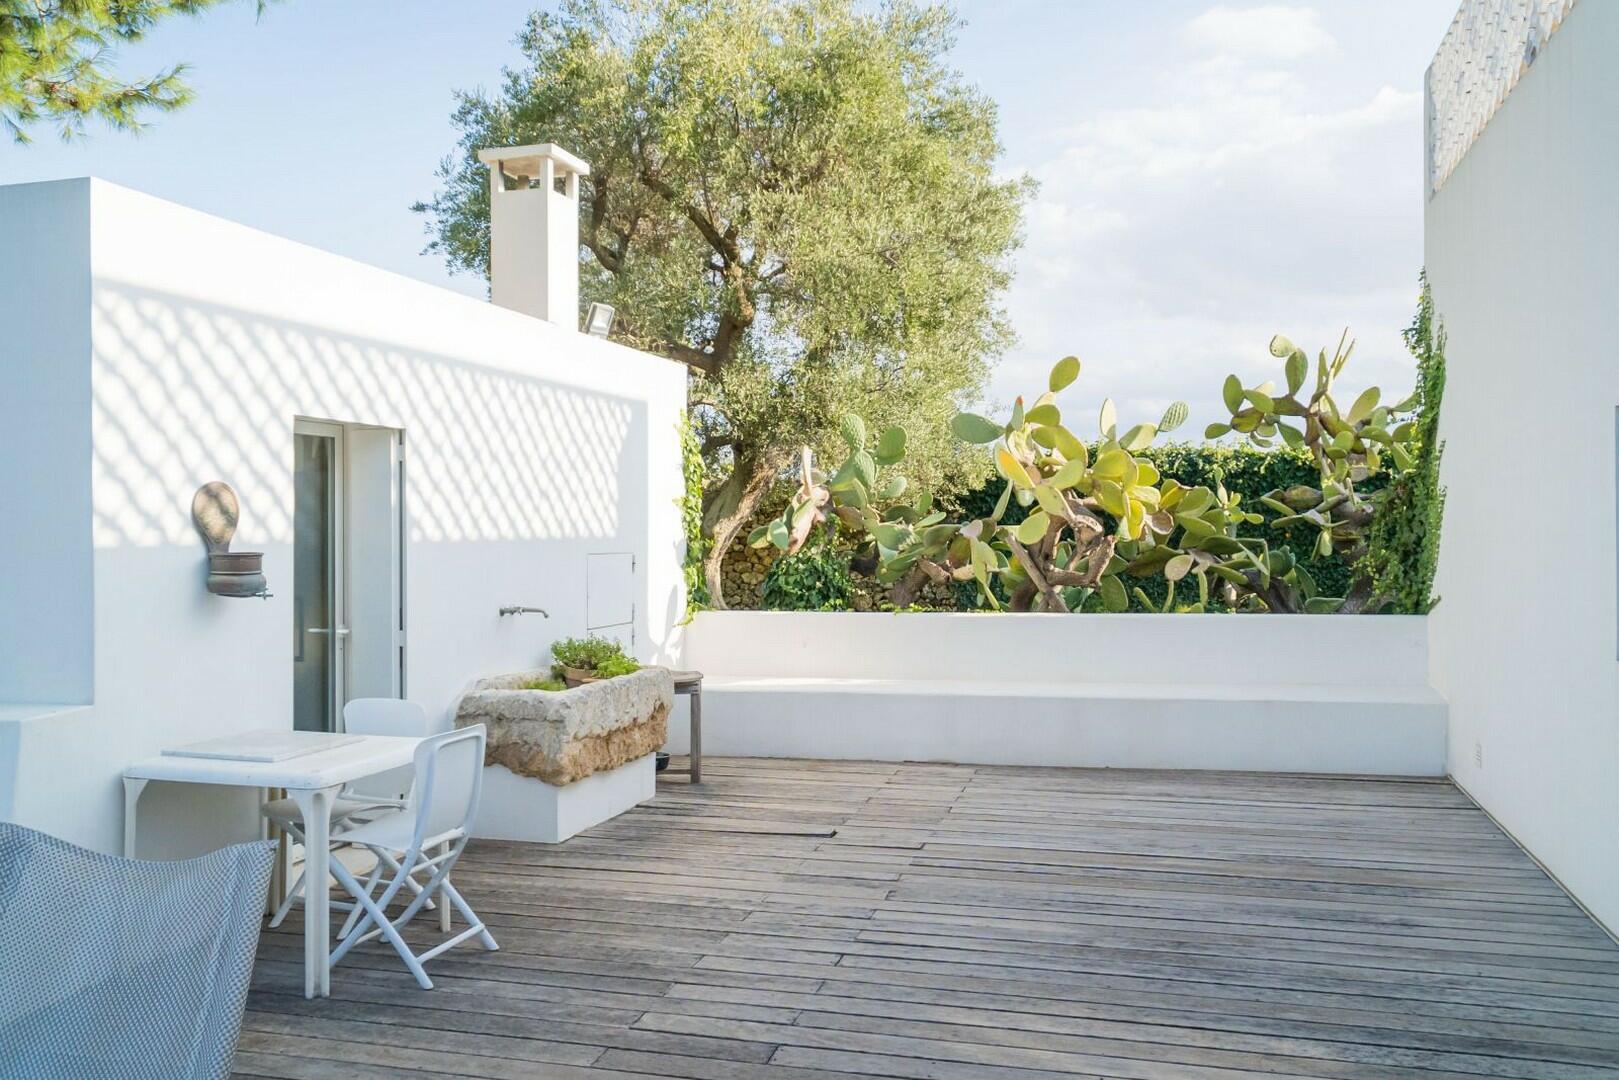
577	676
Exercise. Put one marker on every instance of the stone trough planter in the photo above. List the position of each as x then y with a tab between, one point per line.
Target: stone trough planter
559	761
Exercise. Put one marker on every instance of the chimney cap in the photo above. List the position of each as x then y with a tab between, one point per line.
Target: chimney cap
525	160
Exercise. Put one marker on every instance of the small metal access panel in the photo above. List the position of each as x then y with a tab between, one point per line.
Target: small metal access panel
610	596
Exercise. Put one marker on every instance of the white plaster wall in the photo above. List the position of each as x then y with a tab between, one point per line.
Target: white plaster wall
1523	254
528	448
1231	650
1304	693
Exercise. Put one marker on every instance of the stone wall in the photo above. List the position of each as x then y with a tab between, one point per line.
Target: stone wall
744	571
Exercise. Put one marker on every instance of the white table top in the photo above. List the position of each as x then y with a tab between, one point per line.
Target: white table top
368	755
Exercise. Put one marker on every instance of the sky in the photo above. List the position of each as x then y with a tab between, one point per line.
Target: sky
1210	174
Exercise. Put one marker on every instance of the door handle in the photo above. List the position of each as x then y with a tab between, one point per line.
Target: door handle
341	631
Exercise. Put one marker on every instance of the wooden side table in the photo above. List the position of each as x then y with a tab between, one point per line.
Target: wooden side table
690	683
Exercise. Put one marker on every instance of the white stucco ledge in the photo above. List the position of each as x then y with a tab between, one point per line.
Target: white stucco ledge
562	736
1296	693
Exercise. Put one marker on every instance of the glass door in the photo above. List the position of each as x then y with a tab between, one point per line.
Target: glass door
320	628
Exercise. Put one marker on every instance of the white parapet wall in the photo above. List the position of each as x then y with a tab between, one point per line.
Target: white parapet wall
1323	694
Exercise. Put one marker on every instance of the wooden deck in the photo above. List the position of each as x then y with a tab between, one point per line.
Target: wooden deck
812	920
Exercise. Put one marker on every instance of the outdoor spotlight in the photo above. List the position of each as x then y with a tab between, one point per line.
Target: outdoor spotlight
599	320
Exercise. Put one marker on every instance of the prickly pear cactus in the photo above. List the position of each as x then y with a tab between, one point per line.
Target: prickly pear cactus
1101	518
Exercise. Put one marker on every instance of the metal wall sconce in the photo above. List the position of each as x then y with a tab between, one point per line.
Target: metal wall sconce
215	511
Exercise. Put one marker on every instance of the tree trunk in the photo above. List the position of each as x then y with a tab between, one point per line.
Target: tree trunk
737	497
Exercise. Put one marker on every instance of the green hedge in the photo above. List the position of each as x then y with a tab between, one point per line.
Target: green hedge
1247	469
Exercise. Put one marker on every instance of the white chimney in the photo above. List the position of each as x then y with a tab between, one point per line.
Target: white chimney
534	230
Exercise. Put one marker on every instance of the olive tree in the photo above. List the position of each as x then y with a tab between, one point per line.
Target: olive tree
794	198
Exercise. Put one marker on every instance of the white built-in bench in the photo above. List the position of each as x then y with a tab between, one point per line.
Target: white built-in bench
1335	694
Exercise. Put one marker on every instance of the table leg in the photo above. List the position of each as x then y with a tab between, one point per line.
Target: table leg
132	797
697	735
315	805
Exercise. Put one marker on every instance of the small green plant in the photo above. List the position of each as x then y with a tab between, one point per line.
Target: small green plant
814	579
586	653
552	684
615	666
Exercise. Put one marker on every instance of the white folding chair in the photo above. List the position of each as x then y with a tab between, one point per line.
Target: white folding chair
365	797
438	816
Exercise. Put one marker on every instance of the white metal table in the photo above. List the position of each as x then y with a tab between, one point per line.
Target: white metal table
313	780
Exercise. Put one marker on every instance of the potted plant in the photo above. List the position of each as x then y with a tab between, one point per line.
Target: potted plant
589	659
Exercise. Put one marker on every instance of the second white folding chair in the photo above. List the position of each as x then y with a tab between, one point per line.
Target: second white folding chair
363	798
437	817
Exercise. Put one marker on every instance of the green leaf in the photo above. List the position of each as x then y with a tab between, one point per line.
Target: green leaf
1214	431
1260	400
1139	437
972	428
1232	392
1112	498
1069	446
1297	367
1323	605
893	489
1050	501
780	535
1017	416
1070	474
759	537
891	536
854	431
1046	414
1001	503
1011	468
1174	416
891	446
1178	567
1109	420
1277	505
1113	465
1034	527
1363	406
865	468
1291	436
1113	595
1065	372
1281	346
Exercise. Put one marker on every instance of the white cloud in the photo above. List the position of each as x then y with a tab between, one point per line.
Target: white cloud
1242	196
1274	32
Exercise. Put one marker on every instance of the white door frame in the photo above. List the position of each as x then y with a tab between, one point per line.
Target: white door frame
337	514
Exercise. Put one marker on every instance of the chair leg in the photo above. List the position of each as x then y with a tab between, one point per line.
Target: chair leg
454	895
444	909
375	913
354	914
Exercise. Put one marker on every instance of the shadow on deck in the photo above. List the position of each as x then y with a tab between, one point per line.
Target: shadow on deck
967	922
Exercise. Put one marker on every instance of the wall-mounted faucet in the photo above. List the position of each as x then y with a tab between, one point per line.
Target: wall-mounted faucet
518	610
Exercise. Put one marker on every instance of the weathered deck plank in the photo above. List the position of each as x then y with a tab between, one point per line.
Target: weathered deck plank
817	920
